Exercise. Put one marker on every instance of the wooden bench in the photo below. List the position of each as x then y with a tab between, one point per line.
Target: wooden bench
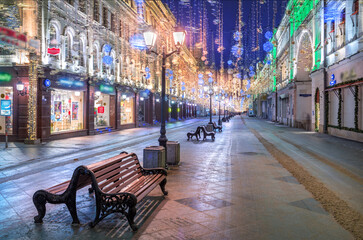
118	182
195	133
206	133
215	126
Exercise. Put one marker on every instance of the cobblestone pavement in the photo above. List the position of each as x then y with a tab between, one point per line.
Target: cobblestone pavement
228	189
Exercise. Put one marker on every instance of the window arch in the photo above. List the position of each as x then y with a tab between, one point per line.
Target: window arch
81	52
68	44
96	57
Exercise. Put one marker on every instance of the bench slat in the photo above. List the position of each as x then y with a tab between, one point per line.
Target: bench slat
105	163
149	189
118	179
141	182
58	188
116	171
117	164
126	183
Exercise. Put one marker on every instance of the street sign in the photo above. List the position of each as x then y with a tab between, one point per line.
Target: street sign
5	108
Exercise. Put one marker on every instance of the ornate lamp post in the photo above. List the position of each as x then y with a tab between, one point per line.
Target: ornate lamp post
150	40
219	111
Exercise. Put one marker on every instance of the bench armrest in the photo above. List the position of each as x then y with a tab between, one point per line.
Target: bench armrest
154	171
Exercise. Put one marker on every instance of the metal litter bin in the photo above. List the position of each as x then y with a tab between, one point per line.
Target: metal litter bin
173	152
209	127
154	157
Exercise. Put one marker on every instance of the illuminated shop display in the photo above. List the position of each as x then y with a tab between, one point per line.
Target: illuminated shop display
6	96
127	108
102	109
66	110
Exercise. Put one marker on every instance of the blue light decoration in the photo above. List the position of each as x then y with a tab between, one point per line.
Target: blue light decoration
107	60
200	75
268	62
210	74
251	74
251	68
238	75
230	62
170	71
171	77
201	81
242	91
183	88
333	81
268	35
210	80
245	77
148	75
107	48
248	96
237	51
248	82
330	11
47	83
182	83
193	90
237	36
137	41
147	69
268	46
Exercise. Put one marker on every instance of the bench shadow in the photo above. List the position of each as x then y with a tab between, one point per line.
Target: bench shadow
58	222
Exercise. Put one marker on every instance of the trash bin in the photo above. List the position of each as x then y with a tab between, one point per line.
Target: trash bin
209	127
154	157
173	152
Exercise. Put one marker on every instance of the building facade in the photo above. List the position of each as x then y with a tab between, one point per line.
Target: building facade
317	81
92	73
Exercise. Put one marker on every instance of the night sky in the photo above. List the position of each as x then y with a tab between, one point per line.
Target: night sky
254	14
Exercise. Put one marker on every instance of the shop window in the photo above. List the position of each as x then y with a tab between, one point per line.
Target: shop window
6	101
102	110
127	109
66	111
96	11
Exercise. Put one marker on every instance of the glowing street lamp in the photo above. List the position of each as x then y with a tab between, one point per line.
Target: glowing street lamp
150	40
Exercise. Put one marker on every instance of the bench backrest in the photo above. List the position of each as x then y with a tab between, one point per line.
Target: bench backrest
116	173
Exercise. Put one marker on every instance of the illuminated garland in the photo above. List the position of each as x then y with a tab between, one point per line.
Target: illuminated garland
32	99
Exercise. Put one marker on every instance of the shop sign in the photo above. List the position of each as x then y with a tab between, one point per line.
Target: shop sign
53	51
11	36
47	83
101	109
5	77
5	108
106	88
69	83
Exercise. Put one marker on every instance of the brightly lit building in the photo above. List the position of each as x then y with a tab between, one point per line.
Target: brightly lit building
92	73
315	78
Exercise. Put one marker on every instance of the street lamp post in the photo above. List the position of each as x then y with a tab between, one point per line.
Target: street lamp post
219	113
150	39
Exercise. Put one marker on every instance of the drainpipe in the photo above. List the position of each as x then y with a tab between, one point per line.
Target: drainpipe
325	127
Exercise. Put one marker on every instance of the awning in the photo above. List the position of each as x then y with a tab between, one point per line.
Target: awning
345	85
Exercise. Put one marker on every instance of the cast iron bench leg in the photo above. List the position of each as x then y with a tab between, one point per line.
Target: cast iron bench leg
162	185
